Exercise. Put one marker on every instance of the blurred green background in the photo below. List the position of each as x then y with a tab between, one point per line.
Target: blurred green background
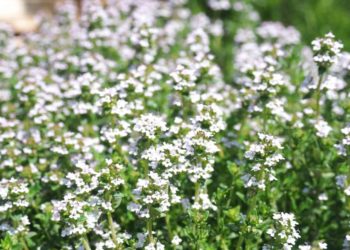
311	17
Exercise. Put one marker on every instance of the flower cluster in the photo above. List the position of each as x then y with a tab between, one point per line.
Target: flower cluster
326	50
284	231
344	146
14	201
322	128
264	156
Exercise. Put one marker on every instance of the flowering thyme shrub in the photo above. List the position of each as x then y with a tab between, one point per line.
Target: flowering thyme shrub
126	126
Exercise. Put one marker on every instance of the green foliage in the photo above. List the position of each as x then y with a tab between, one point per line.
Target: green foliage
312	17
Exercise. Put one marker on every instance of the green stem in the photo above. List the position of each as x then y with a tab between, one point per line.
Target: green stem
24	243
40	222
318	95
198	219
240	242
265	114
112	228
196	191
168	226
150	229
85	241
241	129
150	219
251	209
122	155
228	202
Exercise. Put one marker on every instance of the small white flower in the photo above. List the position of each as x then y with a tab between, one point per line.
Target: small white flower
176	240
323	197
322	128
322	245
149	124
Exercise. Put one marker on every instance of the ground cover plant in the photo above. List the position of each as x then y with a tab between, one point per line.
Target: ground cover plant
163	125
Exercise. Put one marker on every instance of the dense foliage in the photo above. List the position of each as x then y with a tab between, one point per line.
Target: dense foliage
164	125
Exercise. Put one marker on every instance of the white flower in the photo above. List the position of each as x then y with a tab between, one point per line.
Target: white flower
271	232
219	4
149	125
322	128
322	245
326	50
284	230
176	240
347	191
323	197
304	247
3	192
155	246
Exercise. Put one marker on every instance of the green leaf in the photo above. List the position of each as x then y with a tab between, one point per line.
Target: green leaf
233	214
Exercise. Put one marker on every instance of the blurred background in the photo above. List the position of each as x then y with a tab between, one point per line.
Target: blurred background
312	17
20	13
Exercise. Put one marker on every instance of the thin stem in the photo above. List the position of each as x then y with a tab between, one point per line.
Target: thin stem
168	226
24	243
41	223
196	191
228	202
240	242
241	129
318	94
150	219
197	218
251	208
264	120
150	229
112	228
85	241
250	212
